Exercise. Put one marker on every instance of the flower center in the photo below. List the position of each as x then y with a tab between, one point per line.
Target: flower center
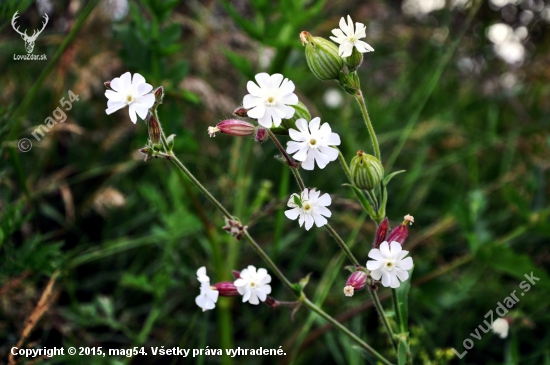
389	265
352	39
307	207
130	98
270	101
312	142
252	284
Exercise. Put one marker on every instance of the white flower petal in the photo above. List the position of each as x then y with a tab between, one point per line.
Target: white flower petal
314	125
137	80
319	220
254	89
376	254
288	111
114	107
112	95
395	248
132	112
402	274
323	211
386	278
250	101
140	109
257	112
363	47
290	99
308	163
146	100
144	88
287	87
376	274
385	250
263	80
292	147
324	200
406	264
333	139
374	265
331	153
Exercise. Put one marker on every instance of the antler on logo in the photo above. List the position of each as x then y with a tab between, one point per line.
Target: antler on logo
29	41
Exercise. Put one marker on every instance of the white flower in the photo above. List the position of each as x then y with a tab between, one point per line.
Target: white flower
389	264
347	38
500	327
253	285
311	209
208	297
269	102
133	92
313	143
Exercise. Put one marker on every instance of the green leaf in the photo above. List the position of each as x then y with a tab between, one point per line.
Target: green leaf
390	176
402	353
403	302
297	200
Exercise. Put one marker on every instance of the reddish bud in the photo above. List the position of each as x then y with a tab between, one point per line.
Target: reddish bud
235	228
381	233
241	112
271	302
399	234
159	95
154	129
107	85
261	135
356	281
226	289
232	127
236	274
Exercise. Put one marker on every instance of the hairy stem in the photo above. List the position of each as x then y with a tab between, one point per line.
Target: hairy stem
382	315
368	123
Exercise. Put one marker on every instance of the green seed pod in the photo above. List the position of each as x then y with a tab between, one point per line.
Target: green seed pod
366	171
350	82
322	57
300	111
354	61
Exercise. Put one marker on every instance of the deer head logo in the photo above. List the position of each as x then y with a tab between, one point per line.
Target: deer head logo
29	41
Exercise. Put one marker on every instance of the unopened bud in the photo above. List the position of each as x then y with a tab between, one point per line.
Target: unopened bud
271	302
241	112
322	57
232	127
350	82
399	234
226	289
236	274
261	135
366	171
235	228
154	129
159	95
381	233
107	85
354	60
356	281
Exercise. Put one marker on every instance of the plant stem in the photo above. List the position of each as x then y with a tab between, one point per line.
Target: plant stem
397	310
382	315
344	330
344	164
342	244
280	147
368	123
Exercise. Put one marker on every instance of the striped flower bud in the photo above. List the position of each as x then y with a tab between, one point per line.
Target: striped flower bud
356	281
261	135
354	61
154	129
366	171
232	127
226	289
241	112
300	111
322	57
381	232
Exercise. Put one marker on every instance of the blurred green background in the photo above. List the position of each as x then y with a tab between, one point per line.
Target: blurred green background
459	94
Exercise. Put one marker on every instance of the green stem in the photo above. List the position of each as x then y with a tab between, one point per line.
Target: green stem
382	315
342	244
280	147
344	164
397	310
344	330
368	123
298	177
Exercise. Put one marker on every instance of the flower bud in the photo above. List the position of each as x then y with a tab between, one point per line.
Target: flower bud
233	127
154	129
356	281
399	234
381	232
271	302
354	61
107	85
241	112
322	57
261	135
159	95
366	171
235	228
350	82
300	111
226	289
236	274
